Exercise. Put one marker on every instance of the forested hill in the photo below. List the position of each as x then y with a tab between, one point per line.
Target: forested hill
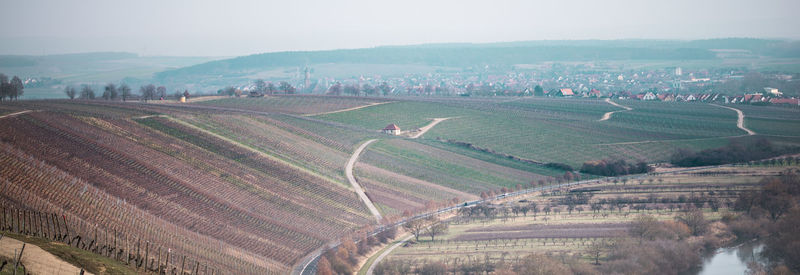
456	55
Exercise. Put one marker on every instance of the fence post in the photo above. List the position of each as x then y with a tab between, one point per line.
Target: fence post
19	231
115	245
66	226
18	260
39	221
146	254
158	264
138	255
166	264
127	250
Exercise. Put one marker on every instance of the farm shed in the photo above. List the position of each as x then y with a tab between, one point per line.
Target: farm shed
391	129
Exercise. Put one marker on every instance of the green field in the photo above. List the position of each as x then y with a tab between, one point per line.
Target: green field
568	130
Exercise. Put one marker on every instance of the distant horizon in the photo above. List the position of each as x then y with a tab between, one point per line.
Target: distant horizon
243	27
139	54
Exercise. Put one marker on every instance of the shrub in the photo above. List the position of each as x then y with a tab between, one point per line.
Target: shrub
612	168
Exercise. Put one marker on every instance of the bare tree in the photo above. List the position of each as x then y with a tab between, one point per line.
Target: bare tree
162	92
125	91
415	227
5	87
595	250
261	86
286	87
87	92
17	89
110	92
437	228
335	89
385	88
70	92
148	91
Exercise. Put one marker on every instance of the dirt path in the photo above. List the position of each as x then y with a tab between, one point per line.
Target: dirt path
606	116
425	128
348	171
14	114
349	109
740	121
386	253
36	259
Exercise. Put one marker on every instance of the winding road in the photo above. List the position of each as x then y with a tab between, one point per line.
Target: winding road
607	115
740	121
348	172
386	253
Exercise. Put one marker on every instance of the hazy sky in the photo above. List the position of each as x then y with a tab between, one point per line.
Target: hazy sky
240	27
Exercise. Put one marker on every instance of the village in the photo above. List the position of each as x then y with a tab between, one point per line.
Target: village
728	86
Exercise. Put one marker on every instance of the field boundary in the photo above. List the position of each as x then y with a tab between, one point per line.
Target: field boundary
35	259
348	171
668	140
349	109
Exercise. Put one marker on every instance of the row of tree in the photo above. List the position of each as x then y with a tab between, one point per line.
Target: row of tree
113	92
11	89
612	168
734	152
357	89
344	258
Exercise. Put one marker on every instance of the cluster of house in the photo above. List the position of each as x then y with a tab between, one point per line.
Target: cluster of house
770	95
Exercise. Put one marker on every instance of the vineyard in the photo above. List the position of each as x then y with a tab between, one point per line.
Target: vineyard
264	213
291	104
253	185
567	130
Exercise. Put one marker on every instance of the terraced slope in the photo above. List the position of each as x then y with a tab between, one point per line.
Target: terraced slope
239	200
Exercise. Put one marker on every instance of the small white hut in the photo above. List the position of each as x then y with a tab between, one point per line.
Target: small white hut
392	129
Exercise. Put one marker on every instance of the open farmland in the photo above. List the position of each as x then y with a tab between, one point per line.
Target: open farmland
568	130
267	186
291	104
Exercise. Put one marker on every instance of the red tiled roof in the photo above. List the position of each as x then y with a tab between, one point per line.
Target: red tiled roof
793	101
391	127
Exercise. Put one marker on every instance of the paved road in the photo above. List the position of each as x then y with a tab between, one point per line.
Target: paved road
348	171
740	121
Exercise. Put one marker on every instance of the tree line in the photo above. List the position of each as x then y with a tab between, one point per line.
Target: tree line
612	168
773	213
12	89
113	92
734	152
357	89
